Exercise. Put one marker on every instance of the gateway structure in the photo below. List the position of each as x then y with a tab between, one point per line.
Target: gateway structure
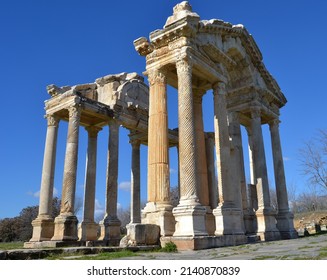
216	207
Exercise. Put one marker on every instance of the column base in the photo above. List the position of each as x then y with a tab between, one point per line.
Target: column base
43	229
190	219
229	221
210	221
267	229
88	231
285	225
65	228
159	214
249	222
110	231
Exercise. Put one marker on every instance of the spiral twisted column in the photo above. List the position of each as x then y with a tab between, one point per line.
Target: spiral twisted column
189	214
43	225
66	222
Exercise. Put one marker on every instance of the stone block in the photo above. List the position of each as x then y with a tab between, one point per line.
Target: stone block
141	234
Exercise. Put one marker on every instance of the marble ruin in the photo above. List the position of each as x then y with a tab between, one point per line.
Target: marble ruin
216	207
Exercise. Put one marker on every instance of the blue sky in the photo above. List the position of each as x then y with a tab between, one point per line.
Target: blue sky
74	42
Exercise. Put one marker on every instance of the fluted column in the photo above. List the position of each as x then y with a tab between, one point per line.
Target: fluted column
135	183
284	217
229	220
88	228
110	225
189	214
158	144
66	222
265	214
43	226
158	209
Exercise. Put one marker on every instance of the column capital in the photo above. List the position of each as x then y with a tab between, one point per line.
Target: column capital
74	111
135	143
184	64
255	112
274	123
52	120
198	95
219	88
234	116
157	76
93	130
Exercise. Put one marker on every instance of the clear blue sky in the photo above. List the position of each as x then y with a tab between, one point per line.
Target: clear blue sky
74	42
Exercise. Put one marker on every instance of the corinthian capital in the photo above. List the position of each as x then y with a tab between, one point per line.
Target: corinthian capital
184	65
74	111
157	76
52	120
274	123
219	88
93	131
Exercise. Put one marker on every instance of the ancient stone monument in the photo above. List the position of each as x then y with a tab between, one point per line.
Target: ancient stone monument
216	207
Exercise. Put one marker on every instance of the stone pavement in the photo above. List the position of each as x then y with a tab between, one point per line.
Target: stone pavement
313	247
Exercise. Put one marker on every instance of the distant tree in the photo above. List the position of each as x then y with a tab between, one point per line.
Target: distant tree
313	157
9	228
20	228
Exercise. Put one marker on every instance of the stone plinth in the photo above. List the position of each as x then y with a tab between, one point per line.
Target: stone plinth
161	215
110	231
65	228
88	231
43	229
204	242
190	219
141	234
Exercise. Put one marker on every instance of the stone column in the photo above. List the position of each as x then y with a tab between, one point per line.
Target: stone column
158	209
135	184
88	228
265	214
189	214
212	180
202	171
285	223
43	226
228	215
110	225
238	156
66	222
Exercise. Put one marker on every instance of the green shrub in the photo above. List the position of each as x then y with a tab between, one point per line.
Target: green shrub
169	247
